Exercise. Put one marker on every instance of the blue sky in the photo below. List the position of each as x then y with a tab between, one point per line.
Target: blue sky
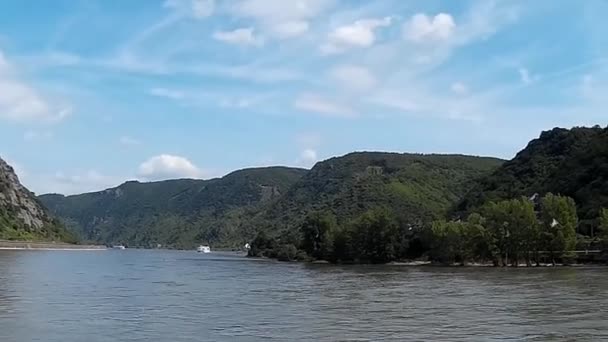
93	93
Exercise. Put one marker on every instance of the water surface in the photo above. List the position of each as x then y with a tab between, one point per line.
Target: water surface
69	296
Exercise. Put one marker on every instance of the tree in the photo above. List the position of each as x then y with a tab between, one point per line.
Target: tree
375	237
559	220
514	230
459	241
262	245
447	240
604	228
318	232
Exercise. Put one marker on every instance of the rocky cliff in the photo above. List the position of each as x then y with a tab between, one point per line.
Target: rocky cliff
21	215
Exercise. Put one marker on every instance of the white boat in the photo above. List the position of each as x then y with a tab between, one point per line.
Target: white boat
203	249
119	247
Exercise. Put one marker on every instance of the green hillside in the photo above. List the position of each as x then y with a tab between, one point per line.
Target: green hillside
572	163
416	188
178	213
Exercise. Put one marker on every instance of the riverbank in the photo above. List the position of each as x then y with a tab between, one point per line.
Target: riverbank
49	246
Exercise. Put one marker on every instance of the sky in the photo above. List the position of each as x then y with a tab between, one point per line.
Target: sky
94	93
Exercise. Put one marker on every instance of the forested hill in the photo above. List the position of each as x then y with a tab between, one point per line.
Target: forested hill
571	162
179	213
416	188
229	211
22	217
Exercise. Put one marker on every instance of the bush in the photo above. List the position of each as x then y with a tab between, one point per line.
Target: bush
287	253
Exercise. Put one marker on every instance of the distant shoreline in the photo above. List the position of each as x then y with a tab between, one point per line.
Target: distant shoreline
47	246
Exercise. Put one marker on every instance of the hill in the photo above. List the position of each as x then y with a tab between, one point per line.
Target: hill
416	188
22	217
178	213
570	162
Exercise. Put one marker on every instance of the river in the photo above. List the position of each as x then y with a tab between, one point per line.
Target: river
136	295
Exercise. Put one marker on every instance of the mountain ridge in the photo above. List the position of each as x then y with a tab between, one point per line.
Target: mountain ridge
230	210
22	216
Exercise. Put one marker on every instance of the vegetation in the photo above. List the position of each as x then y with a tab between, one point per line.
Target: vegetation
22	217
505	233
414	188
228	212
571	163
370	207
374	237
177	213
604	230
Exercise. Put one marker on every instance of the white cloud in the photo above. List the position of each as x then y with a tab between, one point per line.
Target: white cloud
196	8
317	104
353	77
422	28
360	34
289	29
129	141
307	158
21	102
459	88
241	36
282	19
167	166
168	93
32	135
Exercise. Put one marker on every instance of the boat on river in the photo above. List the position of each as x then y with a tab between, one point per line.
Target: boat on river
203	249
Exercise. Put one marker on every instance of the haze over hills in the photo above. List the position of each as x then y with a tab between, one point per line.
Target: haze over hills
22	217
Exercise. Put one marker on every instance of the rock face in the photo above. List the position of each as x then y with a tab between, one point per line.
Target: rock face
21	215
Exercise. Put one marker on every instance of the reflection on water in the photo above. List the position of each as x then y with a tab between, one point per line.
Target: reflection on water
185	296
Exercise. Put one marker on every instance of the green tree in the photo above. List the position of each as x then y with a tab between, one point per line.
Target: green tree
480	241
514	230
446	240
375	237
318	232
559	221
262	245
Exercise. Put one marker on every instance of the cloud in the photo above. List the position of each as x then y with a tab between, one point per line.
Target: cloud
353	77
360	34
307	158
129	141
241	36
167	166
422	28
198	9
282	19
317	104
459	88
21	102
289	29
168	93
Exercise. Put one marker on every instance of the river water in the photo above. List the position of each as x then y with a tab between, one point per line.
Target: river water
131	295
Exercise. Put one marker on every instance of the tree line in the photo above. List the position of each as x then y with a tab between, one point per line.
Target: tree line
508	232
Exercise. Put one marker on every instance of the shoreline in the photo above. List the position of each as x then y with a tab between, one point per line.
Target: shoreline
46	246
